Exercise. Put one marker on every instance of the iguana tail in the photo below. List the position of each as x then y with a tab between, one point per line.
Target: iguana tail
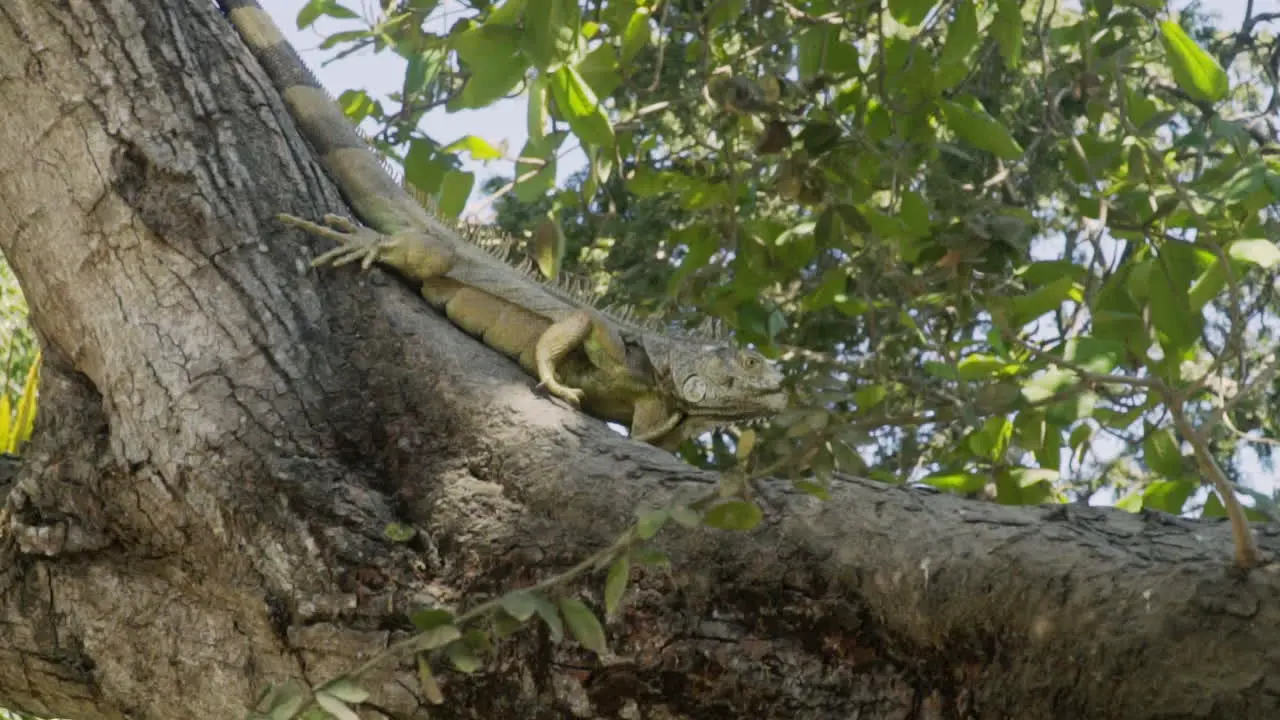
371	191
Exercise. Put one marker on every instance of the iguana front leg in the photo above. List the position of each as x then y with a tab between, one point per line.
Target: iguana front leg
652	420
413	253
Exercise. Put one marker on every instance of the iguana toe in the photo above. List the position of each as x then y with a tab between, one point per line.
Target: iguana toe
573	396
340	223
353	248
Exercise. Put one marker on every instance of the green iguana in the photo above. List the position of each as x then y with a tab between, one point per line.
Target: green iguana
663	384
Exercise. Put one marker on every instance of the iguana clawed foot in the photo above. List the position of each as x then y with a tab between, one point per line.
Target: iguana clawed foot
573	396
355	242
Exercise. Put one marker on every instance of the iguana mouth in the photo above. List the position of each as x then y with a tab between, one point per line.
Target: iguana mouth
752	408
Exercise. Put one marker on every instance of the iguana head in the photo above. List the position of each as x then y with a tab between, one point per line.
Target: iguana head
720	384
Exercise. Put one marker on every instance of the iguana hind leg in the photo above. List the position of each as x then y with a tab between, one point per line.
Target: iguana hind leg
416	254
601	343
558	340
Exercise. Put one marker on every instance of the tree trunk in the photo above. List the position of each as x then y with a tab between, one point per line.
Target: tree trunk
223	437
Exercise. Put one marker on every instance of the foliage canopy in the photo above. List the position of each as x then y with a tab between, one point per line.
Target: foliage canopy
1008	249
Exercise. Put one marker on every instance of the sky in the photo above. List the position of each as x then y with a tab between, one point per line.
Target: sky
381	74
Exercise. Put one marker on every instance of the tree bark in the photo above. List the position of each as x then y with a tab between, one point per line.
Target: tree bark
223	437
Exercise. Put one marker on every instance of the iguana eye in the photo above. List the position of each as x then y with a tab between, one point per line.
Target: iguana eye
750	362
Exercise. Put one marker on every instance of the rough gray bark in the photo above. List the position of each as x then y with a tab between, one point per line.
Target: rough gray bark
223	437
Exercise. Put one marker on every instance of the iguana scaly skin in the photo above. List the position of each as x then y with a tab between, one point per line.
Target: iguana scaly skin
664	385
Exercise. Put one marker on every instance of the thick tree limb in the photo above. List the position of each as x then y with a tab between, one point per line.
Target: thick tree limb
222	439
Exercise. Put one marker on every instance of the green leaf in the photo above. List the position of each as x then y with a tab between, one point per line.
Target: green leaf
1195	70
733	515
427	681
973	125
870	396
962	38
479	148
811	45
1031	430
548	247
941	370
1131	502
650	522
504	625
1161	452
1142	109
316	9
962	483
1213	506
335	707
1043	300
1007	28
1120	326
462	657
346	690
911	12
492	55
551	31
1255	251
536	167
437	637
1026	477
1014	488
478	640
1177	325
1076	406
1094	354
538	114
1208	285
636	35
311	12
422	70
356	105
992	441
600	69
284	700
615	585
429	618
585	115
583	624
454	191
520	604
425	167
1168	495
508	13
342	37
723	12
550	616
1048	383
